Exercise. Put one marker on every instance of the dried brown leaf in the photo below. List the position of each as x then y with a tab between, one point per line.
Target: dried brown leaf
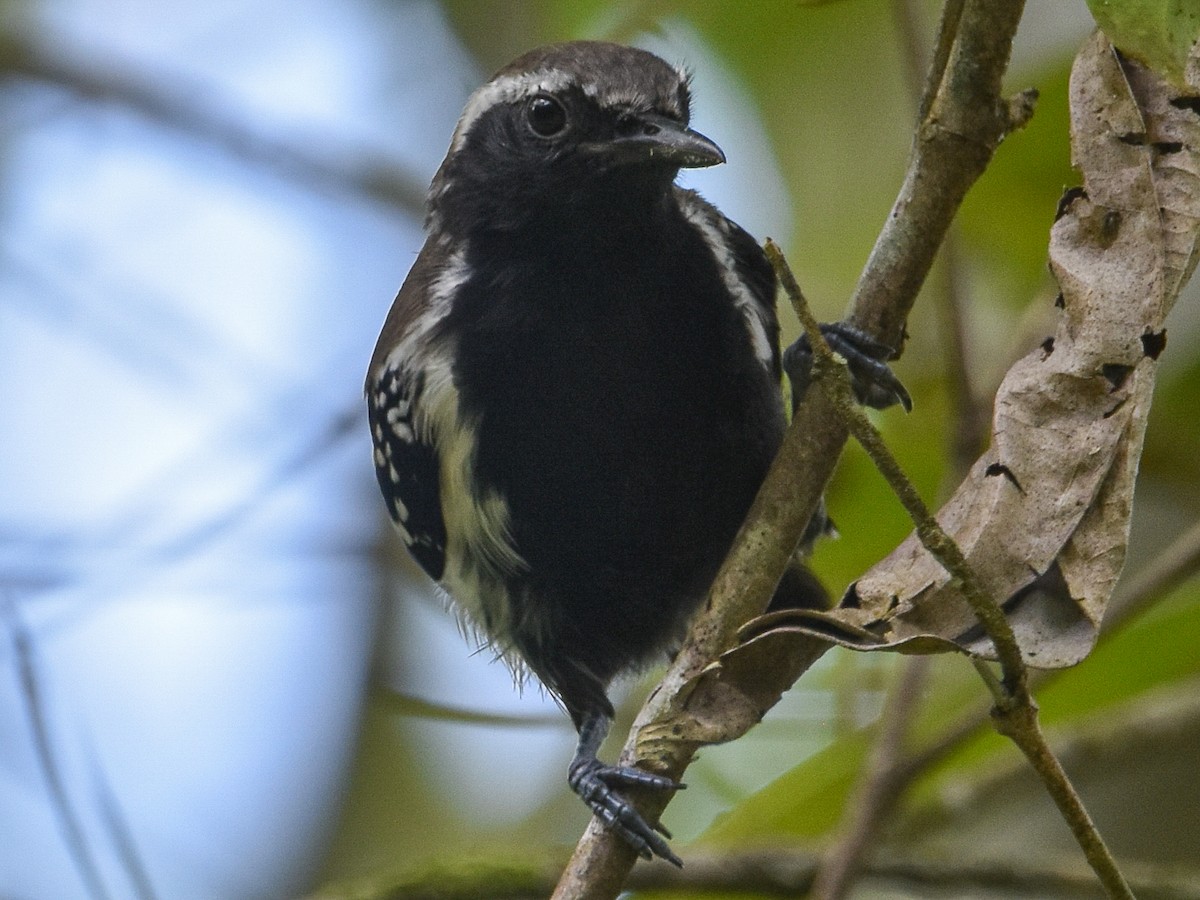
1043	515
731	695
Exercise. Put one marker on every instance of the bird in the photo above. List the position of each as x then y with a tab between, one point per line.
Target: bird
578	390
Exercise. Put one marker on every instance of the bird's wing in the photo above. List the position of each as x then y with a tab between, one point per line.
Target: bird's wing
406	456
745	270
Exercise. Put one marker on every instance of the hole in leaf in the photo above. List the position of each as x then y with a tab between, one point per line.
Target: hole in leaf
1191	104
1115	374
996	469
1154	342
851	600
1110	225
1115	409
1069	196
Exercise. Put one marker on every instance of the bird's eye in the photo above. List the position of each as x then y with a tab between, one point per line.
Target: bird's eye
546	116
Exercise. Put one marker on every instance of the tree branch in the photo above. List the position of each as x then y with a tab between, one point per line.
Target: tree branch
174	104
1015	712
69	821
834	378
1174	566
1179	562
879	788
889	770
785	872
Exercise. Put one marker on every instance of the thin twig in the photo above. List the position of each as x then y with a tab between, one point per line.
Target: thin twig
172	103
970	415
880	787
964	122
119	830
1015	712
948	28
1136	595
1020	725
888	771
1169	569
398	703
785	872
789	871
833	376
74	836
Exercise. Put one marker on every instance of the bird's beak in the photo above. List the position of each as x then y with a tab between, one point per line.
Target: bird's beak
659	139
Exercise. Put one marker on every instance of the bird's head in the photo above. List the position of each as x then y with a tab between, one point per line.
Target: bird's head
567	129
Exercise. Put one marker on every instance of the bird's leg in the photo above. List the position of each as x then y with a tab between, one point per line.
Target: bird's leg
874	383
596	783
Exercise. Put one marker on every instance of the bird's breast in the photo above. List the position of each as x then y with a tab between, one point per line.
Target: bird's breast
625	422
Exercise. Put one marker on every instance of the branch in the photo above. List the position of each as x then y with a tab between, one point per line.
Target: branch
889	771
791	872
1020	724
70	823
1167	720
955	141
880	787
834	378
172	103
1015	712
776	872
1174	566
970	412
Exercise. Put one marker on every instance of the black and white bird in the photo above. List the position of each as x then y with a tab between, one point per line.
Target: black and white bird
577	391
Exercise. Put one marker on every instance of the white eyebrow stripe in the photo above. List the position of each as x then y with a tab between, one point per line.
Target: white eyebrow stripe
506	89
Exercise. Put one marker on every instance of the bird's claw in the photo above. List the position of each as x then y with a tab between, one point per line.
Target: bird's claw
596	783
874	383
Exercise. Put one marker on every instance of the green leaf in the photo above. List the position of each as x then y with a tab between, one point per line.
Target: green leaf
806	802
1162	34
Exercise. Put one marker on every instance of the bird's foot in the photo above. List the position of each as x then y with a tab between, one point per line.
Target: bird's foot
872	379
598	785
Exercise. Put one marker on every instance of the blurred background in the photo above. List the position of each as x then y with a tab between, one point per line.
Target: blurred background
220	677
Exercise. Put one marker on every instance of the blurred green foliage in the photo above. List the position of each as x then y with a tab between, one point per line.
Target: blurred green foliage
1160	33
